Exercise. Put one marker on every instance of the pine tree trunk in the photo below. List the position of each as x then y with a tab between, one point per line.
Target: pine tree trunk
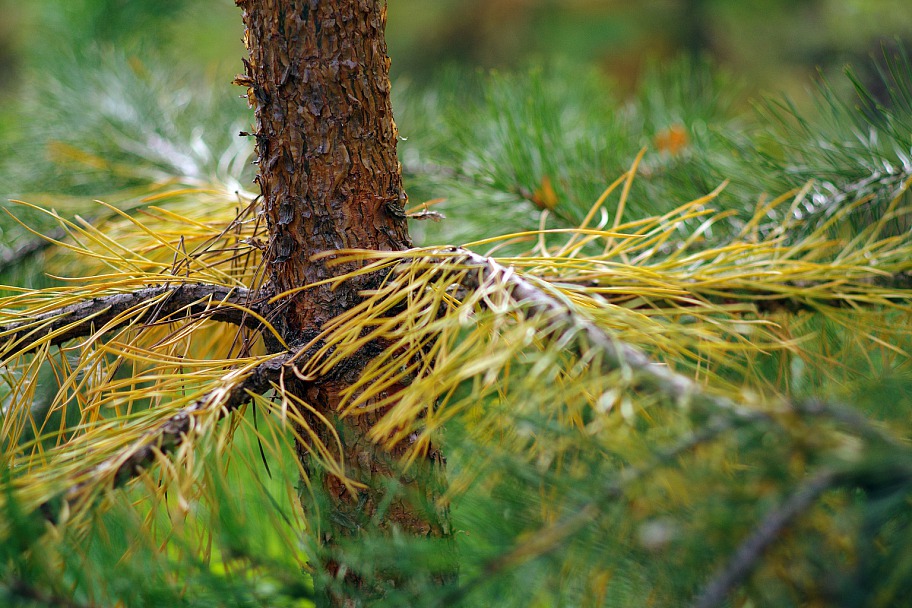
318	76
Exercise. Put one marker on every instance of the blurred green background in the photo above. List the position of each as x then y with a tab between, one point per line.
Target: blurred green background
771	44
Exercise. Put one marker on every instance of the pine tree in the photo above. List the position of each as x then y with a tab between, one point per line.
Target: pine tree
641	400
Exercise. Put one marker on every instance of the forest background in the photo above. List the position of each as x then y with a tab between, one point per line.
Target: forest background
774	46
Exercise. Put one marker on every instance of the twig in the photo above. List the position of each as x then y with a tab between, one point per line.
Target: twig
749	552
770	302
619	355
830	197
82	318
851	419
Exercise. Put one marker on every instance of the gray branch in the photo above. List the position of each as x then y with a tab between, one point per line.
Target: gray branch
619	355
84	317
10	256
749	552
616	354
553	537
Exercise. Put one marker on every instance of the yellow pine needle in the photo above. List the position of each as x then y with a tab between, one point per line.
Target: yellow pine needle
473	354
113	258
173	194
595	208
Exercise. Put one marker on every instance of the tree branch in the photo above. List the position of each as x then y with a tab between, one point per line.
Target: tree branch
749	552
13	255
172	433
617	354
81	319
765	301
554	536
852	421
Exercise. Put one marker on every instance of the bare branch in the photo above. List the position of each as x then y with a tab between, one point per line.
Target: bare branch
745	558
619	355
851	419
82	318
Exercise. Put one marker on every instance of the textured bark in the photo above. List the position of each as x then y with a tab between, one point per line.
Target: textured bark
318	77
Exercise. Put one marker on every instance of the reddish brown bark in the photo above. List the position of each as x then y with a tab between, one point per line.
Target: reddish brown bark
318	77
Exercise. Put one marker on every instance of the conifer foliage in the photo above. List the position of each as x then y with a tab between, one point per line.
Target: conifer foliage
666	389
